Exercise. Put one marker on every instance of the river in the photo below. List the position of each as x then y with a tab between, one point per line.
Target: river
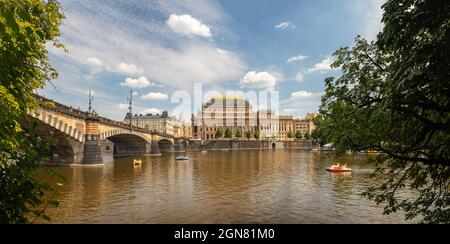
248	186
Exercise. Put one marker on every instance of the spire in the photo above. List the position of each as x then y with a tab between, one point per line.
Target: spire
130	109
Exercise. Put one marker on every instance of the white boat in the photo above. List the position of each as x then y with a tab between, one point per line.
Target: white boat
182	158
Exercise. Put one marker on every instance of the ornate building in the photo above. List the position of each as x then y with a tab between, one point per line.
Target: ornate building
182	130
160	123
286	126
222	113
268	124
305	125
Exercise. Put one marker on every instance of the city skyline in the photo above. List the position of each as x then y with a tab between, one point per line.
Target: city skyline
158	48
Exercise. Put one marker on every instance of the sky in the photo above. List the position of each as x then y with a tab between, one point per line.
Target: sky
160	48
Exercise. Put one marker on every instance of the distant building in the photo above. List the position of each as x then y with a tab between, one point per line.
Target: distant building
305	125
160	123
182	130
310	116
286	125
268	124
223	112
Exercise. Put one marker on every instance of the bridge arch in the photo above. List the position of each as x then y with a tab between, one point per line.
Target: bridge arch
63	148
126	144
55	122
165	145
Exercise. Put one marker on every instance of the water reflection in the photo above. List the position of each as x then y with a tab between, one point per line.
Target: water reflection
253	186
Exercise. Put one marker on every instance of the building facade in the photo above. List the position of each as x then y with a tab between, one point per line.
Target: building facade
182	130
160	123
306	125
268	124
222	113
286	126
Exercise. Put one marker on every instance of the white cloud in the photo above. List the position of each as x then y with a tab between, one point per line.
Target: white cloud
141	82
370	14
155	96
258	80
296	58
301	94
151	111
300	77
94	61
187	25
129	69
122	106
135	93
324	65
169	59
285	25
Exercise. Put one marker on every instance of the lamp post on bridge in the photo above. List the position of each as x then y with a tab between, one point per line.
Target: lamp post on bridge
91	98
130	109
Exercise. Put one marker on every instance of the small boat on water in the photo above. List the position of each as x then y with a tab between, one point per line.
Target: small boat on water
181	158
337	168
137	162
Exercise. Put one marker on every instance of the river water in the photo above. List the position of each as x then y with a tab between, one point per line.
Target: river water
249	186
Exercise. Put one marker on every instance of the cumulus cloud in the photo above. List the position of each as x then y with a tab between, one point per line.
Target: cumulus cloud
285	25
151	111
122	106
296	58
141	82
301	94
129	69
324	65
94	61
300	77
155	96
258	80
187	25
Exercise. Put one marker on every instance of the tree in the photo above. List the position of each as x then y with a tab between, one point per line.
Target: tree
393	97
238	134
307	135
257	135
290	135
228	133
298	135
219	133
25	29
248	134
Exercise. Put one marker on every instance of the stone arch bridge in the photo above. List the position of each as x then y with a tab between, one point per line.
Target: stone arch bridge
82	138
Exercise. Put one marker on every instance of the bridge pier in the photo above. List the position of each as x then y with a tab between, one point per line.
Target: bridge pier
154	150
92	152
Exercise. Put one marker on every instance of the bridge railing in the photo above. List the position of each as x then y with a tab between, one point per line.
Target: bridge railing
77	113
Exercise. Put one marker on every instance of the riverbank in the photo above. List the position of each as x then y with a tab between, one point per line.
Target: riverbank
245	145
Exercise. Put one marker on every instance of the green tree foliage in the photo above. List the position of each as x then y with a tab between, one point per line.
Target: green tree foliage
307	136
298	135
257	135
290	134
228	133
248	134
238	134
25	28
219	133
393	97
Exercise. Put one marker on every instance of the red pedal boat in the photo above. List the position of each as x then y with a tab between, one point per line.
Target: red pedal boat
339	168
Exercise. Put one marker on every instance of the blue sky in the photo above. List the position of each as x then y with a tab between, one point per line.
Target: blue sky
159	47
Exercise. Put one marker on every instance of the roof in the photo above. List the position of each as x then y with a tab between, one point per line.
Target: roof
164	115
